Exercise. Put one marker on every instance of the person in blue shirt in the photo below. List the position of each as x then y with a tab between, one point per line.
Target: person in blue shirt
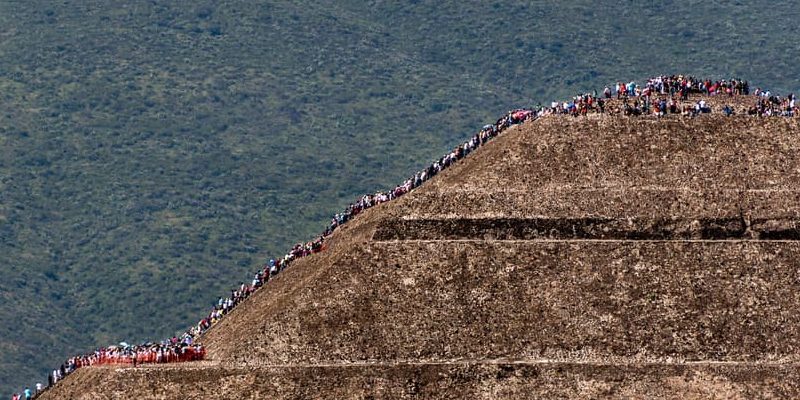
728	111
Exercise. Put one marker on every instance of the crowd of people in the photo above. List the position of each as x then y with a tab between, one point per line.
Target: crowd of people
665	95
774	105
659	96
167	351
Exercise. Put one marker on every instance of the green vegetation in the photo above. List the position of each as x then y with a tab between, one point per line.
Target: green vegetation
153	152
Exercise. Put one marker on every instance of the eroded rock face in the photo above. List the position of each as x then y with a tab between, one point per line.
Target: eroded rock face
570	257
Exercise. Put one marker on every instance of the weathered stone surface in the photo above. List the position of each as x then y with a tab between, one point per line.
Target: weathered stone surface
628	301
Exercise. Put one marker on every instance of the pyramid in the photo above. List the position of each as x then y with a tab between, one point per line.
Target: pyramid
592	257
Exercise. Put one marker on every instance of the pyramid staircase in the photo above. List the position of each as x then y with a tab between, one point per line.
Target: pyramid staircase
601	257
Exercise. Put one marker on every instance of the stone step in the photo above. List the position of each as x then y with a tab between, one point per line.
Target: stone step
459	380
622	203
589	228
714	153
627	301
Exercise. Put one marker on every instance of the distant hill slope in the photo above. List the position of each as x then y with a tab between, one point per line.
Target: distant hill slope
153	152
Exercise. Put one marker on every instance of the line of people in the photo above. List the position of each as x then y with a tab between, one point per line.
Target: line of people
648	99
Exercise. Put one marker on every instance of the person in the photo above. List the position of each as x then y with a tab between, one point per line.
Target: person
728	111
39	387
28	393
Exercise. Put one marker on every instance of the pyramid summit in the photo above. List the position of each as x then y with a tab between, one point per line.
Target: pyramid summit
623	253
